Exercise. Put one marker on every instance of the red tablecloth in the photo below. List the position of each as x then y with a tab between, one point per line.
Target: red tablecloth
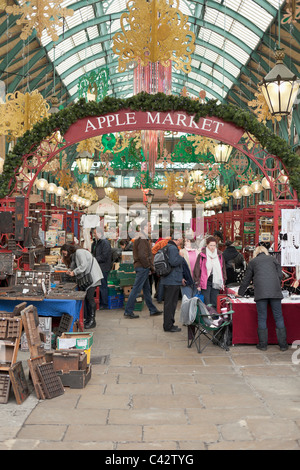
244	323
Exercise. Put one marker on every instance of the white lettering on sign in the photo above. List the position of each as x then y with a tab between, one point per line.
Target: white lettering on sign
172	120
110	120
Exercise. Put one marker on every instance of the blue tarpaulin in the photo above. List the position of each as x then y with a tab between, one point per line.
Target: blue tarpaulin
48	307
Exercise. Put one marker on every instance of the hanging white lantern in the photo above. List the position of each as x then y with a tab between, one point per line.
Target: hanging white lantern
246	190
84	162
75	198
280	87
219	200
60	191
283	179
197	175
51	188
256	187
236	194
266	182
222	153
41	184
100	180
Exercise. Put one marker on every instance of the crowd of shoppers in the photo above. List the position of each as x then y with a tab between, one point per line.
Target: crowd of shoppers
194	269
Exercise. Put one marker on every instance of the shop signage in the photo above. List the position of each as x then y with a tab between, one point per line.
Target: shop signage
127	120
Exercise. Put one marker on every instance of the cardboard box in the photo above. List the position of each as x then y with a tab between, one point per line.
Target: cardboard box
76	340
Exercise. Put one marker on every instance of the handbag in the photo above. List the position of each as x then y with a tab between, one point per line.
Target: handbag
84	281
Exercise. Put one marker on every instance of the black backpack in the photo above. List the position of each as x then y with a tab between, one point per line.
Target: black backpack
161	262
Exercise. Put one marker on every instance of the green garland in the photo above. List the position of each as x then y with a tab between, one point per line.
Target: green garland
144	102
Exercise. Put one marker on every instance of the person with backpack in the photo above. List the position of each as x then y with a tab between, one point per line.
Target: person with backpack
172	283
234	261
143	265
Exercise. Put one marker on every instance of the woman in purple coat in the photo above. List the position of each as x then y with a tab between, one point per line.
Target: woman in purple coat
210	272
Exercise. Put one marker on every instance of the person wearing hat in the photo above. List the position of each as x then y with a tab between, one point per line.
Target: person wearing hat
210	272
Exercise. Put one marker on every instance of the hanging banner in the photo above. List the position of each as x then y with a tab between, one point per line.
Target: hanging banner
178	121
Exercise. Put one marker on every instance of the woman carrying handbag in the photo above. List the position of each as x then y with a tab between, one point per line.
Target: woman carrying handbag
85	268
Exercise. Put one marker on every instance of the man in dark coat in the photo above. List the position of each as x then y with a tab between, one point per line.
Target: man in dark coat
172	283
266	274
101	249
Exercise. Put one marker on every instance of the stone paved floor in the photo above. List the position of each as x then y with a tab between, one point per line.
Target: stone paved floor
156	394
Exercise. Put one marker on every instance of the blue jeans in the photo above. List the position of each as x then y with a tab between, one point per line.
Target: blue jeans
262	312
104	291
141	283
160	291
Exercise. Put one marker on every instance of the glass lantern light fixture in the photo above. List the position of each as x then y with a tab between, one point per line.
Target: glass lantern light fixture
197	174
51	188
246	190
236	194
60	191
283	178
222	153
84	161
280	87
41	184
256	187
100	180
266	183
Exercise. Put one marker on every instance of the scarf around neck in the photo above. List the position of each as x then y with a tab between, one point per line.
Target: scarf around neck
213	267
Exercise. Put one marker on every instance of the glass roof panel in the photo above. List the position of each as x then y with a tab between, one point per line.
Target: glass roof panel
243	21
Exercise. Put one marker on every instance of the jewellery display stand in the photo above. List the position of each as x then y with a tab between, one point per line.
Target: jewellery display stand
290	237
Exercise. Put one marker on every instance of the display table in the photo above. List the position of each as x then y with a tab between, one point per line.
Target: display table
244	321
49	307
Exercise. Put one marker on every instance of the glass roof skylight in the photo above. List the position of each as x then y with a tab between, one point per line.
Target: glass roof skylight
226	34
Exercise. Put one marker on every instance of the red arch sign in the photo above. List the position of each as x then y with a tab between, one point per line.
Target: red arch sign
128	120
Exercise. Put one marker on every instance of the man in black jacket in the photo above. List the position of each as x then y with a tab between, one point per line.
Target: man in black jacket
101	249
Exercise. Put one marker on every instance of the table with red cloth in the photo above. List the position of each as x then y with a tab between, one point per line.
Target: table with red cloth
244	321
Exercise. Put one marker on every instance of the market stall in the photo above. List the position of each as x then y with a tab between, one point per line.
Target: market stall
244	321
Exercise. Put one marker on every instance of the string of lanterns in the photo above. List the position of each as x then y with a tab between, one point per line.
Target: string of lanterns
51	188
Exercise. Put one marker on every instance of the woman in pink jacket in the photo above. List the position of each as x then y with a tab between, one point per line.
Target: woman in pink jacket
210	272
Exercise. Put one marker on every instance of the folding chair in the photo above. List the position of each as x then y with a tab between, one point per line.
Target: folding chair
203	326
